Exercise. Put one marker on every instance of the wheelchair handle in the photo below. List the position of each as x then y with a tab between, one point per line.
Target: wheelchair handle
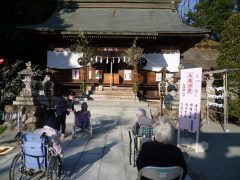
18	136
44	135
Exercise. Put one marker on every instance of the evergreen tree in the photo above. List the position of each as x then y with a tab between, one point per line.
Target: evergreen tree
10	84
82	45
134	53
229	57
211	14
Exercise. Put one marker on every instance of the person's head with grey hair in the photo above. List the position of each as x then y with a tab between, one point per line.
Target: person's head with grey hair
163	131
141	112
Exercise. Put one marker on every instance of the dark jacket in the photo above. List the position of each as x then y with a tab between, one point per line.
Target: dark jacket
61	108
70	105
157	154
52	121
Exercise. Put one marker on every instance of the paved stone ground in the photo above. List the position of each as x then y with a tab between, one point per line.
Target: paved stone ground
105	156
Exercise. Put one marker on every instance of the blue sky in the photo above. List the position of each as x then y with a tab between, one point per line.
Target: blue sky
191	2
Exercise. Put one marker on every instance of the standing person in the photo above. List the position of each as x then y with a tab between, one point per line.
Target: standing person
70	102
63	108
61	111
161	152
142	119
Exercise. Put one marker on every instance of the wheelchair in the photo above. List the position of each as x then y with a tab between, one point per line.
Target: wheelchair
166	173
81	127
37	159
144	134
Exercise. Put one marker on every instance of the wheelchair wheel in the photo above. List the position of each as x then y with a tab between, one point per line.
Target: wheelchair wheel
130	147
135	154
54	168
17	168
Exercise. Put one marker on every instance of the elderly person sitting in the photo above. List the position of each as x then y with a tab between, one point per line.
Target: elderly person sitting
82	117
142	119
51	128
161	152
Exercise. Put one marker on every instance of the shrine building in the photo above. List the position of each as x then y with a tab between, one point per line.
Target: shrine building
111	27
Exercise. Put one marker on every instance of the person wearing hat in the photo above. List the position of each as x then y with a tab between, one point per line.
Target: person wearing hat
51	128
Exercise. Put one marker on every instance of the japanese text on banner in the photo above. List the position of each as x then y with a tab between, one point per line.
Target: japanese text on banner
190	99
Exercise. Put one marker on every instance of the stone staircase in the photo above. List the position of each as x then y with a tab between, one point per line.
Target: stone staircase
113	94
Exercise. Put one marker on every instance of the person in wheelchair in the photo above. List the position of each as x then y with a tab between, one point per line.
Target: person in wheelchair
142	119
82	117
161	152
51	128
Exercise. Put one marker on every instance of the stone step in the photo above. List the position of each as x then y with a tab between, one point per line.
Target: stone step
113	97
113	94
114	88
117	93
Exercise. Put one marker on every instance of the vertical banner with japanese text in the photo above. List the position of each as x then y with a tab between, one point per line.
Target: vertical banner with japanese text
127	74
75	73
190	99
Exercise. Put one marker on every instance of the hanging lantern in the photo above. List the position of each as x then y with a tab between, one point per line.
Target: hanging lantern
96	59
80	62
113	60
124	59
119	59
101	59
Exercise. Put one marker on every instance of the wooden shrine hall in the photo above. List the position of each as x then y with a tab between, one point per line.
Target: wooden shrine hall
112	27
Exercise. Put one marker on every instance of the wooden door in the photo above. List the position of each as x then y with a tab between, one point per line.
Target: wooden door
107	78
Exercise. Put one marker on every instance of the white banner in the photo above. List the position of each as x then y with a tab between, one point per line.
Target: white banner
75	73
63	59
158	76
89	74
157	61
127	74
190	99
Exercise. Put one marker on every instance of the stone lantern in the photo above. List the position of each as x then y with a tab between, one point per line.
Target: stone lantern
26	95
26	102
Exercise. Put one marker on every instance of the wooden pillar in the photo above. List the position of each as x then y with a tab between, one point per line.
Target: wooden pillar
111	76
225	99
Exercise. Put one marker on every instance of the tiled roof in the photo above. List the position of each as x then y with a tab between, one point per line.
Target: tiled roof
118	20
